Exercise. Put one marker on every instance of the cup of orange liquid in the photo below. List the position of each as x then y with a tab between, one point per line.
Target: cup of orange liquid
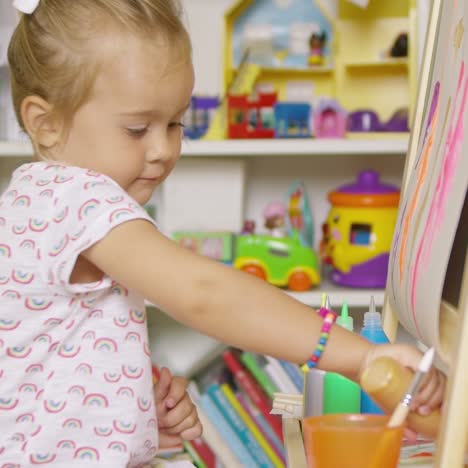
350	441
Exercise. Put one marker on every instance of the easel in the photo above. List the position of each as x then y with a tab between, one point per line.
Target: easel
453	321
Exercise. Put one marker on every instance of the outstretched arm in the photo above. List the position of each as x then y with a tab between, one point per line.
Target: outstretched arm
220	301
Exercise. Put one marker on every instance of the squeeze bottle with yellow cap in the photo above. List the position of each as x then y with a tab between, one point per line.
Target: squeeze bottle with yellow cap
386	381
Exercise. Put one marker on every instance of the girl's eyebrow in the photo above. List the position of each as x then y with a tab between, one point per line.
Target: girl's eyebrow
150	112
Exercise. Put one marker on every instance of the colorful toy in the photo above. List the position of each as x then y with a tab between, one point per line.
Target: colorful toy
283	261
215	245
358	231
251	118
299	216
317	42
274	215
285	257
292	120
400	46
199	115
248	227
366	120
329	120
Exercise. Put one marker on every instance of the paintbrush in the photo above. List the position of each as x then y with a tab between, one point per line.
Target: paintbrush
402	410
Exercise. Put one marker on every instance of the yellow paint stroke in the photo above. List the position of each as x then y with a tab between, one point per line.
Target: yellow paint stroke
458	36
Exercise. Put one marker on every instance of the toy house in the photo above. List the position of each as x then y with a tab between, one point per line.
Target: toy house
304	51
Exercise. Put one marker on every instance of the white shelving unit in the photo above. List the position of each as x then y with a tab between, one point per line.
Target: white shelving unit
268	148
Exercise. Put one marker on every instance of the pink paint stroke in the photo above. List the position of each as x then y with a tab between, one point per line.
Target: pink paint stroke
444	182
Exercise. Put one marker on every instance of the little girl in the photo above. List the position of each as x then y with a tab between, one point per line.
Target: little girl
100	87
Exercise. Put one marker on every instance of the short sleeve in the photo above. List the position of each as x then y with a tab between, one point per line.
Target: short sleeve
88	207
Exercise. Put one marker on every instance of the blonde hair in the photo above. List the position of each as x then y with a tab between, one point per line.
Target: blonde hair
53	54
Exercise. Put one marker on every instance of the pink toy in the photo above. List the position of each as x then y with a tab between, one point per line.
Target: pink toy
329	120
275	214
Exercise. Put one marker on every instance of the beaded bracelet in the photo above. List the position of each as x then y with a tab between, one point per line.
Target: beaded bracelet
329	318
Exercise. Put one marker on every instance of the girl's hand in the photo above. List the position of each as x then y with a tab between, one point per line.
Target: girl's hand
431	393
177	415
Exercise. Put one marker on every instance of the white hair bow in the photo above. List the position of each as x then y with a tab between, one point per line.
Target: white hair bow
26	6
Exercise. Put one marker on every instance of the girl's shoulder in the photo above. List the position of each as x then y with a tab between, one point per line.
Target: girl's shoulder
57	181
43	173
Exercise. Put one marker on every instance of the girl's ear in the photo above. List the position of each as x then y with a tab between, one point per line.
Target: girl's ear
42	127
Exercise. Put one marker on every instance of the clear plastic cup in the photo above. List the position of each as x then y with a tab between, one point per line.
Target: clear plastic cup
351	441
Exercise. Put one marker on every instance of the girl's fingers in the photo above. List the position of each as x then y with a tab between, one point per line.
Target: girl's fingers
178	423
192	433
436	398
162	386
177	392
431	393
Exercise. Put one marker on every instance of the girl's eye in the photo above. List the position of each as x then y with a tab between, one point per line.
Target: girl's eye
176	124
137	131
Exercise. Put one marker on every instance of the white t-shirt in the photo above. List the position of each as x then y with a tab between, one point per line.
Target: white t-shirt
75	369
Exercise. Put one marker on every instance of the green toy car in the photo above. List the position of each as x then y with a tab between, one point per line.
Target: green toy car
282	261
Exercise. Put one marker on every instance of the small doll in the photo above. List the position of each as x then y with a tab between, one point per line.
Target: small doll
248	227
274	215
317	43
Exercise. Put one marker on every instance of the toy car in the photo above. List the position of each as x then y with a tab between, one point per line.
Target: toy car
282	261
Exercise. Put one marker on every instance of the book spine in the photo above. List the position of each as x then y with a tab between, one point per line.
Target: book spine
204	452
262	425
277	378
262	442
259	374
253	390
198	462
226	431
239	426
282	380
294	373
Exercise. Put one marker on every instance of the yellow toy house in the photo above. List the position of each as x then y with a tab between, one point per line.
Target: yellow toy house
274	46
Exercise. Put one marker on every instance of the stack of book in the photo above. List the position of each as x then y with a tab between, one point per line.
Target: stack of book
234	403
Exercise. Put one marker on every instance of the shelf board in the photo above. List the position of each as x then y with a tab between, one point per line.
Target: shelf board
186	351
312	70
338	295
15	149
296	147
294	71
266	147
378	64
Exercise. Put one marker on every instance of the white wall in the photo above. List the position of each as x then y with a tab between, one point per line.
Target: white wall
204	21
